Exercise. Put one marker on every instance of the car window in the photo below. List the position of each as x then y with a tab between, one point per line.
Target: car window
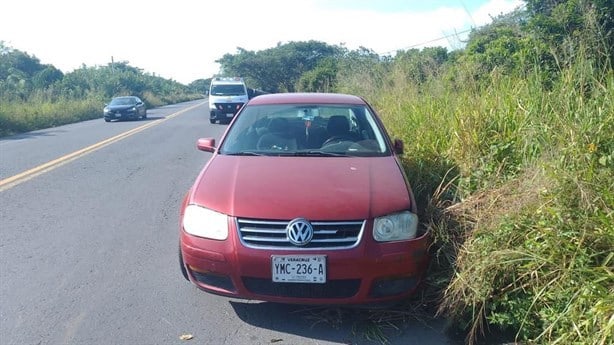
227	90
307	129
123	101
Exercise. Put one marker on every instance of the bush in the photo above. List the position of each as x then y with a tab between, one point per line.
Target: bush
513	176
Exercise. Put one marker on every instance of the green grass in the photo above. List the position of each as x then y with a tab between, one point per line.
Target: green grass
19	117
514	179
41	111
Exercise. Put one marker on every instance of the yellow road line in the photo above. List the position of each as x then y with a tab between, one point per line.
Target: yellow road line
14	180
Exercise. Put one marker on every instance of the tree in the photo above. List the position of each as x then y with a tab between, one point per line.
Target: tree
13	61
499	44
47	77
279	68
200	85
567	23
421	65
322	78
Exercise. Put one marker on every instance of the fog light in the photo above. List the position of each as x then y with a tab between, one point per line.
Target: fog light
218	281
392	286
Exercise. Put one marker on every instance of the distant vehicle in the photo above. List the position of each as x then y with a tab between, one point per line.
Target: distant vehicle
125	108
226	97
304	201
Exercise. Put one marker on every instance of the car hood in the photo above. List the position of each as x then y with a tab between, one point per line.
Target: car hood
316	188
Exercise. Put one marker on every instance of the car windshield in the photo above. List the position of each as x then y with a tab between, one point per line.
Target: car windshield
123	101
227	90
305	130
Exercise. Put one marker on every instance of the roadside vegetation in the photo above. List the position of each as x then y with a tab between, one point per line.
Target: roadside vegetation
35	96
509	145
511	150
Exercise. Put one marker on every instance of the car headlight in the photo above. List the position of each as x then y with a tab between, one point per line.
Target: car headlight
395	227
105	110
203	222
133	109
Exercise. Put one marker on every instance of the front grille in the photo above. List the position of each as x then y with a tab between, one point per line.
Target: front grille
343	288
269	234
121	112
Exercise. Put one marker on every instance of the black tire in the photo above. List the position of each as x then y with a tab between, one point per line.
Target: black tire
212	120
184	272
107	120
144	115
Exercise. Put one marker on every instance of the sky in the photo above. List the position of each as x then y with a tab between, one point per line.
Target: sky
182	39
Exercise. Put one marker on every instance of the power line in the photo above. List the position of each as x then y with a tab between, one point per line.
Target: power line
429	41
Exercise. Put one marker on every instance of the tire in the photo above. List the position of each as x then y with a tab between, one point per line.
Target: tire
184	272
107	120
211	120
144	115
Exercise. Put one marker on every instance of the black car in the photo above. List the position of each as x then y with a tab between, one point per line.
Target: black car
125	107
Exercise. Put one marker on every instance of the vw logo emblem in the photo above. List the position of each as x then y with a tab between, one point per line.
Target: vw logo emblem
300	231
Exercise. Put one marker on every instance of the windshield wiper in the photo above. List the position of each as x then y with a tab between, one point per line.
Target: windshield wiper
245	153
310	153
318	153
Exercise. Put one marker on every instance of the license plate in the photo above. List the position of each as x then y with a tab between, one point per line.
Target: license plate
298	268
230	115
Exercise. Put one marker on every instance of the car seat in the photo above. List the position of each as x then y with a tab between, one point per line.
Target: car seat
338	129
279	136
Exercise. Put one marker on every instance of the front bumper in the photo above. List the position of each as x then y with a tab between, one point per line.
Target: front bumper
369	273
121	115
224	111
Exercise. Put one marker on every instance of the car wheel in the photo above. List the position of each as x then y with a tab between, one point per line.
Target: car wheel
144	115
107	120
212	120
184	272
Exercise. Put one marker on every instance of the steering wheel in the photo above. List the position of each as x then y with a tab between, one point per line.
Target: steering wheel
335	139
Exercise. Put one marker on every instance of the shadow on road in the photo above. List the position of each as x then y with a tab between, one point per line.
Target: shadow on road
345	325
31	135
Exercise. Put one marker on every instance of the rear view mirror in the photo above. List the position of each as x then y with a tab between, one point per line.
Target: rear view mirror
398	146
206	144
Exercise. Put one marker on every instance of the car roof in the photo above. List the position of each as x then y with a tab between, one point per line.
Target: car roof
306	97
228	82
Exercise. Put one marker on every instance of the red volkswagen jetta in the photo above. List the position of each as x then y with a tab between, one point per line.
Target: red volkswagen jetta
303	201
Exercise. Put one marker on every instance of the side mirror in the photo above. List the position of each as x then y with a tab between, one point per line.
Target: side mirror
398	146
206	144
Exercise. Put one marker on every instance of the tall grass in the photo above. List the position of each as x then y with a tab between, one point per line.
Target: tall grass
40	112
514	177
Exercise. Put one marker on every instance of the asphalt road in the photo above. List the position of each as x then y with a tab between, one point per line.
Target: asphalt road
88	246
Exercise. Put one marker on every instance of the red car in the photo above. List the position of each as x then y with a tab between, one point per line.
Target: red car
303	201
